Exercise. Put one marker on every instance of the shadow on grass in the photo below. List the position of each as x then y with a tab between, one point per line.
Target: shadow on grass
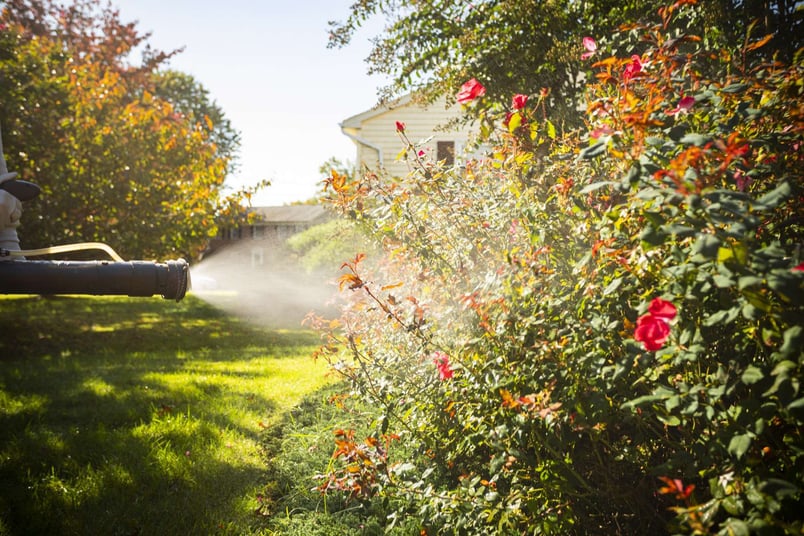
123	416
97	327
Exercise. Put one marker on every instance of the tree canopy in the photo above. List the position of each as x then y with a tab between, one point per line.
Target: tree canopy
126	151
521	46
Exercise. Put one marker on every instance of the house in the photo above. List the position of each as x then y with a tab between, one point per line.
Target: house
255	244
378	143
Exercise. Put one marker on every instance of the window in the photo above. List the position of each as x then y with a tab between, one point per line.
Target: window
257	232
445	150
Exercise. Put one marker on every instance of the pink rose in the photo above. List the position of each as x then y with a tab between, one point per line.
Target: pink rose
591	47
441	361
684	106
632	68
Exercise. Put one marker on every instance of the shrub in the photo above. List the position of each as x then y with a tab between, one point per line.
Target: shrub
598	334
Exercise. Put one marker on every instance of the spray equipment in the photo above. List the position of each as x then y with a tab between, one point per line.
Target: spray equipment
19	275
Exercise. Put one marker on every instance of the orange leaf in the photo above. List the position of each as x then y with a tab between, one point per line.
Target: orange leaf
605	62
353	281
508	399
389	287
757	44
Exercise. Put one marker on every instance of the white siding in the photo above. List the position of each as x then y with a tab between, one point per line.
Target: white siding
377	131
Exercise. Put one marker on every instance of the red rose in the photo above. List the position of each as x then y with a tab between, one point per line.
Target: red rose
662	309
470	91
652	332
400	126
653	328
519	101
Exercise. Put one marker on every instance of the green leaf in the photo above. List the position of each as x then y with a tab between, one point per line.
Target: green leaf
721	281
668	420
739	445
551	130
677	132
780	489
641	401
757	299
793	341
611	287
752	375
775	197
595	149
787	285
672	402
596	186
724	254
735	88
678	230
796	407
735	527
514	122
748	281
723	316
651	236
698	140
404	468
733	505
750	312
655	218
706	245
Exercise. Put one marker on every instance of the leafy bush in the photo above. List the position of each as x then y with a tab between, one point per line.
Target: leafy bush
600	334
320	244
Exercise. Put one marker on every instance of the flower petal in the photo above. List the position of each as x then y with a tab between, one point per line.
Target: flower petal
470	90
662	309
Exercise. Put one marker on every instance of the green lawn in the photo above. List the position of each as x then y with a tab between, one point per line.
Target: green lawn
139	416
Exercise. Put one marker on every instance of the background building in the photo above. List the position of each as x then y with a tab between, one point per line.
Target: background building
436	126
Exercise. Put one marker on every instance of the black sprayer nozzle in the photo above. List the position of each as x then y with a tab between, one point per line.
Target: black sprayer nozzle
134	278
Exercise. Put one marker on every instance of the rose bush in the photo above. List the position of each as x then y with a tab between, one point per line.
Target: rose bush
615	317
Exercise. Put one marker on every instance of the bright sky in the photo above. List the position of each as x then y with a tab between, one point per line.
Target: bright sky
267	66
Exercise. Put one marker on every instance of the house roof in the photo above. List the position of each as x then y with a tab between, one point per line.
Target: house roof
290	213
356	121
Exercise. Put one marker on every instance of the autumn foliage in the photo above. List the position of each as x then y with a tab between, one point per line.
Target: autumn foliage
594	334
122	155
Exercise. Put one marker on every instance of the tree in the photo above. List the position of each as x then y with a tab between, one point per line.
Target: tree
192	99
125	154
522	46
346	168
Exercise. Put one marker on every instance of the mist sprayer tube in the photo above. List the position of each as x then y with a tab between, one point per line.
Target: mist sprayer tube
128	278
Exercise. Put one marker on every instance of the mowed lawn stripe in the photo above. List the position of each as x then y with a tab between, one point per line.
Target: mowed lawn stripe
139	416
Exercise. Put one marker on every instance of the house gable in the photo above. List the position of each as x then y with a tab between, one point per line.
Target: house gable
378	144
